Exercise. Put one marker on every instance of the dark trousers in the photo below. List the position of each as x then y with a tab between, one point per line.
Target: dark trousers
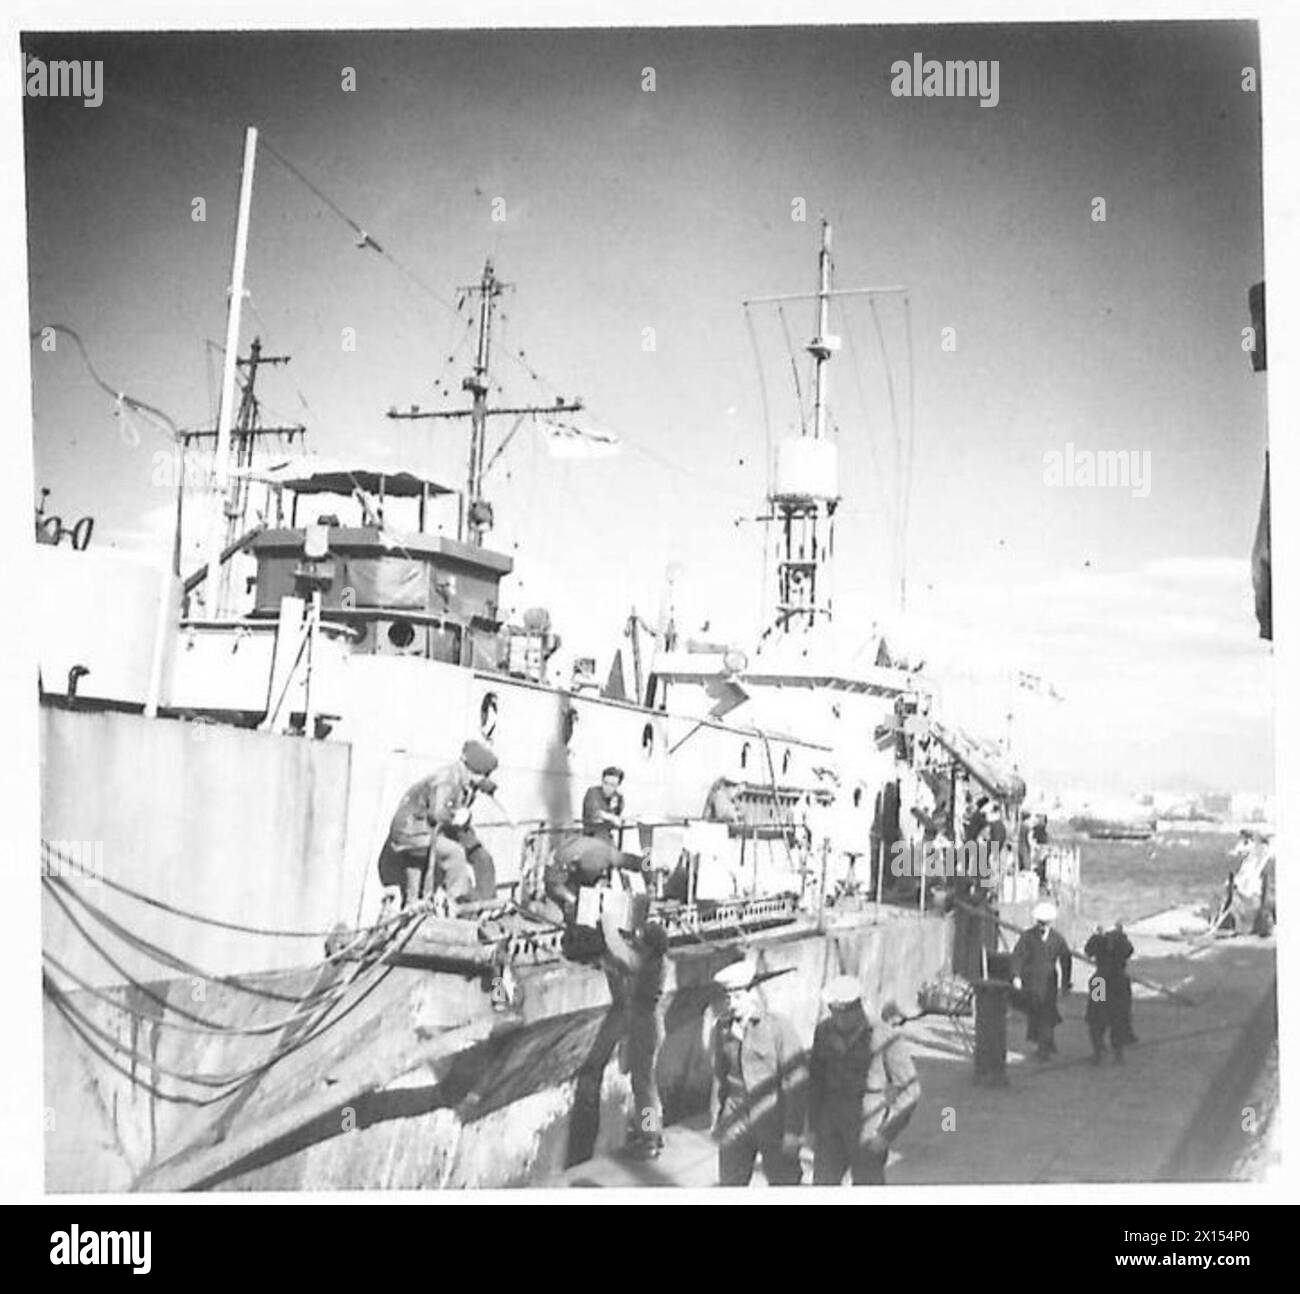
840	1150
1043	1019
645	1036
737	1154
1113	1012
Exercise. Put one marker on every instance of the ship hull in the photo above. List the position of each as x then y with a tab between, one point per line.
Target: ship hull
415	1079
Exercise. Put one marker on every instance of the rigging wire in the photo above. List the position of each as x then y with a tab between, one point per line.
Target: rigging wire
767	455
878	475
288	372
794	368
124	401
911	445
893	418
364	239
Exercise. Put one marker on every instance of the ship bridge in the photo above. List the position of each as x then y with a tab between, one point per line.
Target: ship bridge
400	589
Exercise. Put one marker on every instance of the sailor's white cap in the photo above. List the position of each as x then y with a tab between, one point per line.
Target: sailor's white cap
843	990
738	975
1044	911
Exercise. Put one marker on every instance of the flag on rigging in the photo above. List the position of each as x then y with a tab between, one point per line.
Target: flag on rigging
564	441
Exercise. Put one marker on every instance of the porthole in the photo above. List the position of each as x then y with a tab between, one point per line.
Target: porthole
401	633
648	740
487	716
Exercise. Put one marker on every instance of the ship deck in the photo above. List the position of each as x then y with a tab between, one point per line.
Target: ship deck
1172	1111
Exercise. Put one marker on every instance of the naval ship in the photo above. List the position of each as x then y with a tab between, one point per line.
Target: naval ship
231	1003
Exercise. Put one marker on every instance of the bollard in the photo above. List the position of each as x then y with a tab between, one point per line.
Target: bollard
991	999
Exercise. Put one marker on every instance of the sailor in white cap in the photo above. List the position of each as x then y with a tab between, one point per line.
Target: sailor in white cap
862	1088
760	1069
1033	974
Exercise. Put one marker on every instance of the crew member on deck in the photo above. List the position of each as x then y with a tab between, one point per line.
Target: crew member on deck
602	806
721	804
432	824
592	857
635	963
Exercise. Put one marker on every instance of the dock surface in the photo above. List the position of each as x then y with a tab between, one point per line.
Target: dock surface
1173	1110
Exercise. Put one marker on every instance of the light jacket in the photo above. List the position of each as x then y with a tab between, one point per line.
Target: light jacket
429	806
767	1098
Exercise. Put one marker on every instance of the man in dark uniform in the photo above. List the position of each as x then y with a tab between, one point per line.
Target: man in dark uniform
1033	975
1110	994
602	806
760	1070
635	963
862	1088
593	856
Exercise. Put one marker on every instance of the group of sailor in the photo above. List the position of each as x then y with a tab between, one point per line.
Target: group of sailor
848	1096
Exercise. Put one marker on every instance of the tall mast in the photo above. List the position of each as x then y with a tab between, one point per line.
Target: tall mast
476	513
818	348
478	516
245	434
226	418
806	492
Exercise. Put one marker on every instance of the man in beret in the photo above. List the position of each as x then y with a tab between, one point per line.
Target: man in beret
862	1088
432	825
760	1070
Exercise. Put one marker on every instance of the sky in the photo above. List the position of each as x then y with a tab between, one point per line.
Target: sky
627	210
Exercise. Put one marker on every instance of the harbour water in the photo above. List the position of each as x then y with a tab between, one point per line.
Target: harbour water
1131	879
